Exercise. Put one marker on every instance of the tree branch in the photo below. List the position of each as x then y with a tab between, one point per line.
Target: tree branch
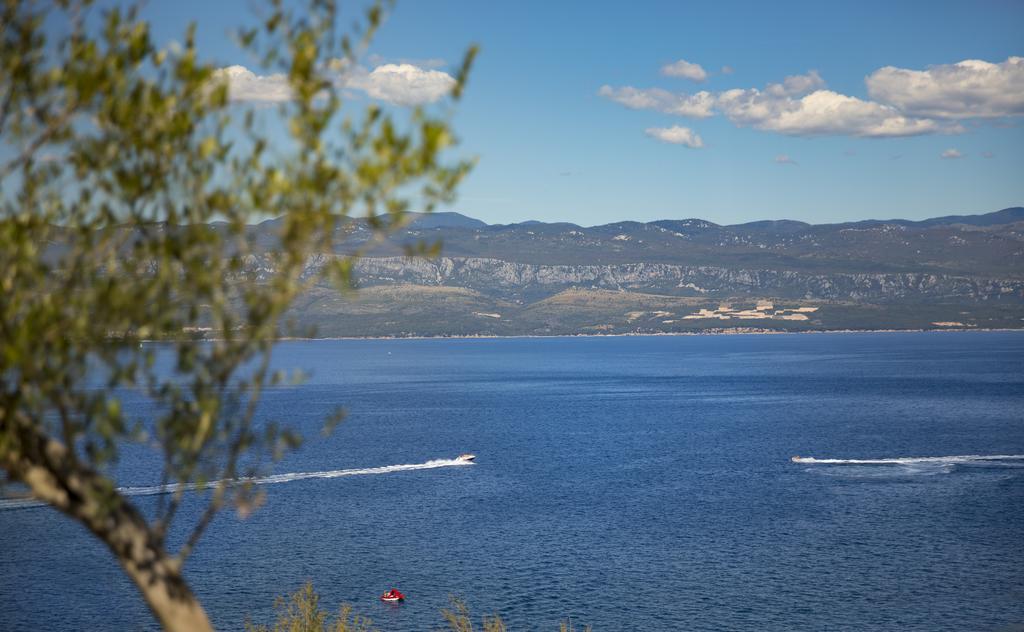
44	464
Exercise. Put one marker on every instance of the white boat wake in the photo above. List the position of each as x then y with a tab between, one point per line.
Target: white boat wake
910	460
273	479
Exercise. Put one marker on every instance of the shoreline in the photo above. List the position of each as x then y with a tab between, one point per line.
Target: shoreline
651	334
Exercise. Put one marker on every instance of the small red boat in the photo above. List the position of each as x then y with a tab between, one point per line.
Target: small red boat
392	596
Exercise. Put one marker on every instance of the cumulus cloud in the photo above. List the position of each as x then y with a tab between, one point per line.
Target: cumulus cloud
399	84
801	106
797	106
820	113
245	85
951	154
727	70
783	159
676	135
795	85
902	102
968	89
685	69
403	84
690	105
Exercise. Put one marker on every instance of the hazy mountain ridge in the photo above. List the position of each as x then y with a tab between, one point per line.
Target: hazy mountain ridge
990	245
685	275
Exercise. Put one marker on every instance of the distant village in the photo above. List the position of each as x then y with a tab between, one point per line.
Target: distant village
764	310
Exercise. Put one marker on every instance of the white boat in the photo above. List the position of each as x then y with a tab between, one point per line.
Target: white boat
466	458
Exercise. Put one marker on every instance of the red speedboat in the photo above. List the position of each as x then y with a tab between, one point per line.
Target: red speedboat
393	596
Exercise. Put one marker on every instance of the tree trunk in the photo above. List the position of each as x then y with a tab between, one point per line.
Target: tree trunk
55	476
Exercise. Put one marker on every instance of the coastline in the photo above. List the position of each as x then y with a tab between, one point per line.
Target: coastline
744	332
735	332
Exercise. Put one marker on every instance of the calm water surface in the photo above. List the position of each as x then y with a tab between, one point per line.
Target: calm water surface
632	483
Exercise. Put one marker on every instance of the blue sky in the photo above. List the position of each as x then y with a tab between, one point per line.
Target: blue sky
544	108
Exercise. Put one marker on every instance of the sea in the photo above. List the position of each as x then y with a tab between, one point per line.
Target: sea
628	483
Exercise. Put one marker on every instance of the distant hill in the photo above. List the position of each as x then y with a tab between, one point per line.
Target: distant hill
998	218
686	275
986	245
445	220
1006	216
666	276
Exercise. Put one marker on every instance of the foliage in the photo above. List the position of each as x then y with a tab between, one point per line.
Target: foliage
128	183
459	619
301	612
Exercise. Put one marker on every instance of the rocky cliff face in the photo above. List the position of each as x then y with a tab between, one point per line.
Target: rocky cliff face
672	276
519	281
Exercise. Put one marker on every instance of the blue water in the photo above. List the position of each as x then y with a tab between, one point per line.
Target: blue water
630	483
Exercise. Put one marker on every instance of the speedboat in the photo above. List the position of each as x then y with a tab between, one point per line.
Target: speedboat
392	596
466	458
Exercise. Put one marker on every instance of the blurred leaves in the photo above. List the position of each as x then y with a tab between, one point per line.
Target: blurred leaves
128	184
458	618
301	612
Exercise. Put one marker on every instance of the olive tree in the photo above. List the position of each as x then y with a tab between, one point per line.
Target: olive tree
129	181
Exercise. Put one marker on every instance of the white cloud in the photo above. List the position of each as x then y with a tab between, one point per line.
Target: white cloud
902	102
783	159
245	85
399	84
820	113
795	85
685	69
951	154
676	135
691	105
403	84
968	89
727	70
798	106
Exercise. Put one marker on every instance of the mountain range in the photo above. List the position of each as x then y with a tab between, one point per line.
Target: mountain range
669	276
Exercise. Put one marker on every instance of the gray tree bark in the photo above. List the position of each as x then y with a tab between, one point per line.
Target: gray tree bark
56	477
